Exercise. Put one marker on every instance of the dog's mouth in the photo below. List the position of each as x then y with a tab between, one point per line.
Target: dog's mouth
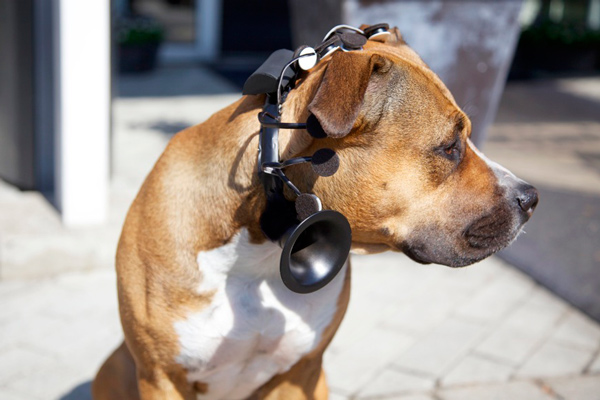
492	232
480	239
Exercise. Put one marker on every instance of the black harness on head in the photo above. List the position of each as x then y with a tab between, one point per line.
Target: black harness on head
315	242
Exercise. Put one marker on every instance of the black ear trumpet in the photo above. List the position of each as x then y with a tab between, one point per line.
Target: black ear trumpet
314	251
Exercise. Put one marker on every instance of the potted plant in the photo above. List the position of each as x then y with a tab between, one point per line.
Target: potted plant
138	40
558	47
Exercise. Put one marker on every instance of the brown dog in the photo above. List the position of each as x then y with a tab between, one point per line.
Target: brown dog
203	308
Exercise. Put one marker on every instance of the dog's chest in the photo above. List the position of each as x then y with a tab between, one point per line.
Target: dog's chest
254	327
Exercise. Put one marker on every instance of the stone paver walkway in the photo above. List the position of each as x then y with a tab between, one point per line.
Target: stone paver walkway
412	332
484	332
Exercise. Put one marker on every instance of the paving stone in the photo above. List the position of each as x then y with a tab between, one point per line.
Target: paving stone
9	192
337	396
524	328
595	366
89	356
62	318
578	388
346	371
475	370
418	318
33	255
77	294
372	305
408	279
21	362
11	333
437	295
430	305
388	277
82	347
55	337
363	316
364	311
49	383
509	345
8	288
29	212
507	391
478	276
578	330
437	351
26	301
543	298
390	382
411	397
555	359
6	394
498	297
104	278
79	345
419	396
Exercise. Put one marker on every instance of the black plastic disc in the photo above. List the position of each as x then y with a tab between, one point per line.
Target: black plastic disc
314	128
375	28
353	41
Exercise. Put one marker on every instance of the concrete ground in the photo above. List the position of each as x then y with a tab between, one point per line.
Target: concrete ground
548	132
412	332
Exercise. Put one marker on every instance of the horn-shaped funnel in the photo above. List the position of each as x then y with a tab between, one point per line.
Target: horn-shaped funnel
314	251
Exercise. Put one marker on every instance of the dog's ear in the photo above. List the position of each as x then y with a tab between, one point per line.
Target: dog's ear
340	95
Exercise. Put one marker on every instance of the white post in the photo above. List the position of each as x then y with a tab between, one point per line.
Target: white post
83	110
208	29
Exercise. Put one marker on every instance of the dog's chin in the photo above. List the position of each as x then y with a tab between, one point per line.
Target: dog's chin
461	253
461	247
448	258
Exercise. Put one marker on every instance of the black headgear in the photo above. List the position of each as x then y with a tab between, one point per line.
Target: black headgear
315	242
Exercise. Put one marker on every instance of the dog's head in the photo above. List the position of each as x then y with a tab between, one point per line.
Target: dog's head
410	179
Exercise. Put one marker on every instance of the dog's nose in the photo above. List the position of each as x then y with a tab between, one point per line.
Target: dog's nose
527	199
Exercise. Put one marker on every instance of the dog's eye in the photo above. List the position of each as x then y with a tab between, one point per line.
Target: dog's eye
451	151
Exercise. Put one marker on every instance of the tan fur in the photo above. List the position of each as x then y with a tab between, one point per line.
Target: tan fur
204	188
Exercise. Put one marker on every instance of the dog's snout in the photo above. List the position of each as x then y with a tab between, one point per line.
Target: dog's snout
527	199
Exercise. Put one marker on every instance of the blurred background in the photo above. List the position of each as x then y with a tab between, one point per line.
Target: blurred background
91	92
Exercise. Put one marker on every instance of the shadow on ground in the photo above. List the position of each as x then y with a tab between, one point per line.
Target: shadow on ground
82	391
560	247
546	101
174	81
168	128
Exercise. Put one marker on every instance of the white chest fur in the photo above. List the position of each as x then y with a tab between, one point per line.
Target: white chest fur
254	328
